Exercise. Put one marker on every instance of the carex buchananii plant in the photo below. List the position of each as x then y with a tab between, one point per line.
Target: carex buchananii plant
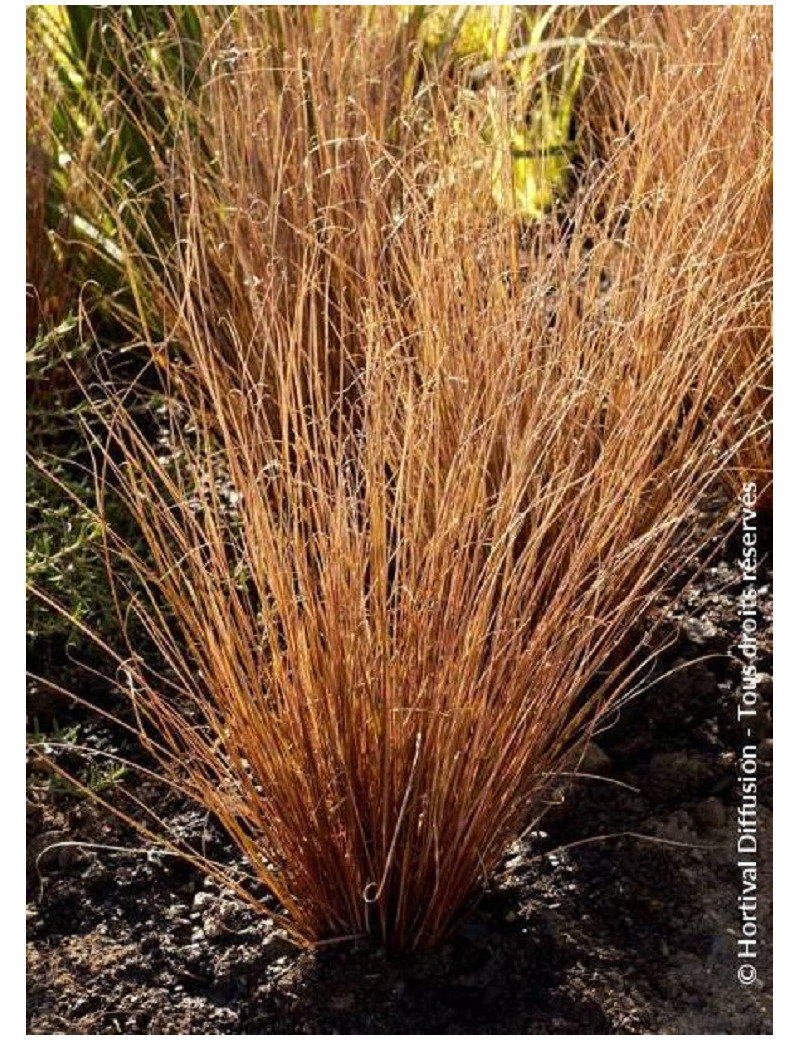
428	469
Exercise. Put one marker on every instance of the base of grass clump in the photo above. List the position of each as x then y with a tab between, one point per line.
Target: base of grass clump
588	925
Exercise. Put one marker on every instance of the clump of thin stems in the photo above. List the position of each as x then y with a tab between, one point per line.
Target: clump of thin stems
427	473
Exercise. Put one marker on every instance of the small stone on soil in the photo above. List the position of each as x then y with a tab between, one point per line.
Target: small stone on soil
710	814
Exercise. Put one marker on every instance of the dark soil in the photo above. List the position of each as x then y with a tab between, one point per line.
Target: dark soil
618	916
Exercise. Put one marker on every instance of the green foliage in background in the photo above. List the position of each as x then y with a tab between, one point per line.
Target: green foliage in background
99	109
91	104
92	778
528	126
63	542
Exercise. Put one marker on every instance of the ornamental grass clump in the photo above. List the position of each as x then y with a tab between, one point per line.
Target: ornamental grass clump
426	475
